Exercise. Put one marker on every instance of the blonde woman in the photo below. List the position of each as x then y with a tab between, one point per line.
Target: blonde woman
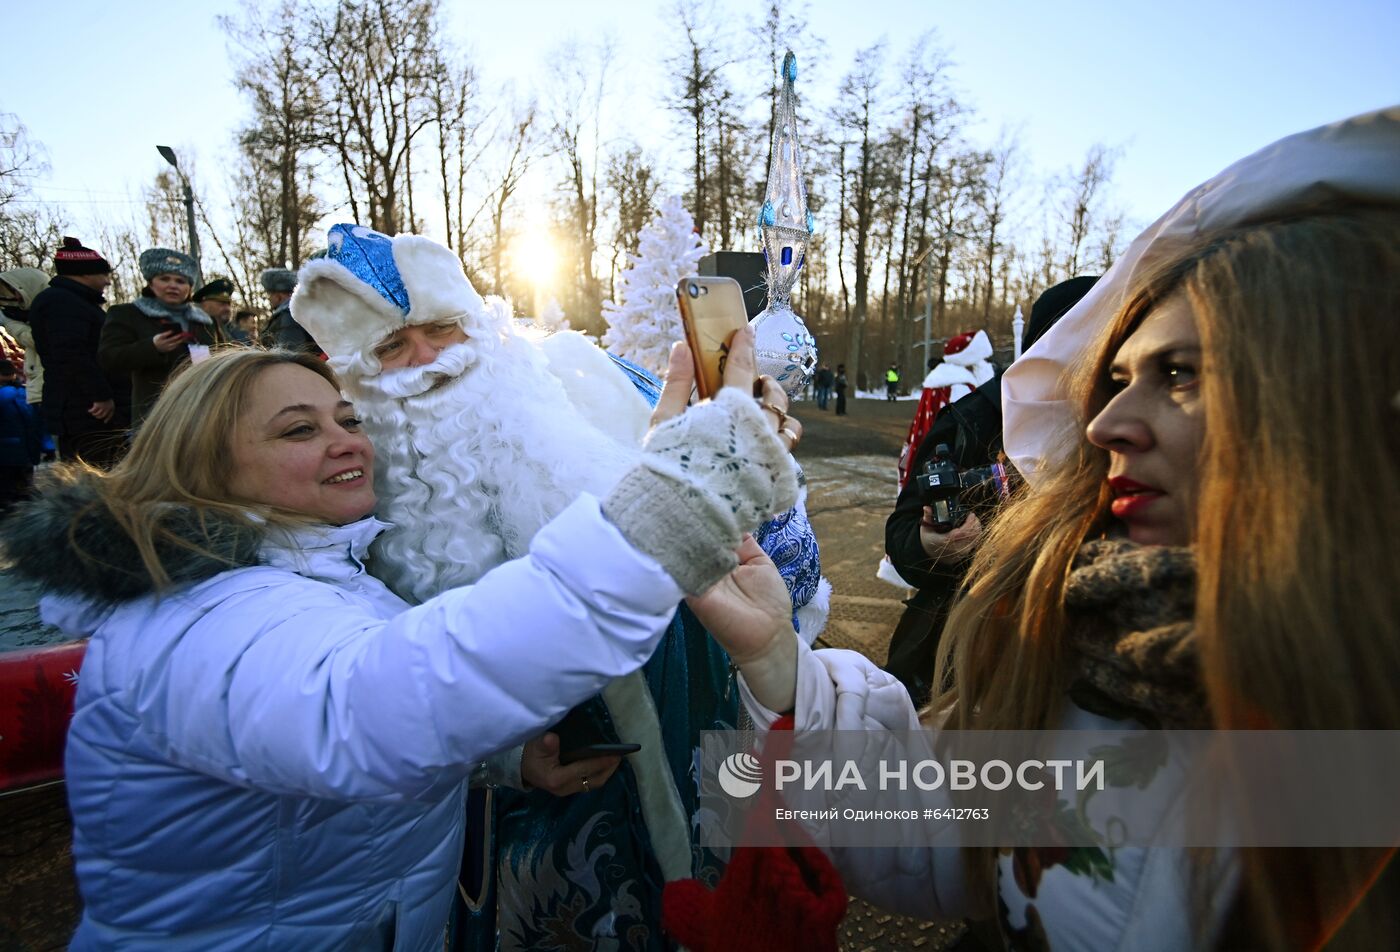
269	748
1209	543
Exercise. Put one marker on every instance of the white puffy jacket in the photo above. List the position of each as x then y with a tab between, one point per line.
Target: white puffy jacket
1142	907
275	758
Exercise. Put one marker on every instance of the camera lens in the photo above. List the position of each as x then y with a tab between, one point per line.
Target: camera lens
694	289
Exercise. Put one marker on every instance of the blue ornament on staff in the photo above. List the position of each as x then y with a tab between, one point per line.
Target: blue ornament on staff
786	350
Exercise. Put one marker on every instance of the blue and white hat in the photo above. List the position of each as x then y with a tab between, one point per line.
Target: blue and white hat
368	285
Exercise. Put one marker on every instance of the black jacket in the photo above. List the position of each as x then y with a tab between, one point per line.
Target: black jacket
127	349
67	319
971	429
281	331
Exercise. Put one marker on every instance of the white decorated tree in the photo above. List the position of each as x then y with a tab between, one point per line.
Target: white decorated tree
643	322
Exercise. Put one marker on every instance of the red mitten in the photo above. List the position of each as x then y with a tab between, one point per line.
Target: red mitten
770	899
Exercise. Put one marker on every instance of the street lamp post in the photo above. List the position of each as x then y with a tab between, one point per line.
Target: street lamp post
928	302
168	154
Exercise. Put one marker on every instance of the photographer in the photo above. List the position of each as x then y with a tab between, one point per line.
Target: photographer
931	561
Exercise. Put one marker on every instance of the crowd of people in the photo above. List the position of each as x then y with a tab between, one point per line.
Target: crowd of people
342	588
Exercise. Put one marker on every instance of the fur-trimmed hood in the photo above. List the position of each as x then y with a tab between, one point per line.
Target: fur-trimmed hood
68	541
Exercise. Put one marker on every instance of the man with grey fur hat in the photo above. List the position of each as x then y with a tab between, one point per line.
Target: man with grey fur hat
281	330
149	337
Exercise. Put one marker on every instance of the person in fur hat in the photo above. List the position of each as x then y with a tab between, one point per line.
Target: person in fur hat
149	337
281	330
484	434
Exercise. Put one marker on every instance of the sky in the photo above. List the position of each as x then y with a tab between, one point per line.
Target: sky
1181	88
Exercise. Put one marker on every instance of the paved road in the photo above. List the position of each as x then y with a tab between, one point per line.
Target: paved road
850	466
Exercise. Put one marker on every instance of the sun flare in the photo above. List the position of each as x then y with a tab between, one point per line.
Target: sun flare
535	257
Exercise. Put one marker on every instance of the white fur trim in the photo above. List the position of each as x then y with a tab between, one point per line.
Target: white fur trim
634	715
597	386
812	617
346	316
979	350
887	573
946	375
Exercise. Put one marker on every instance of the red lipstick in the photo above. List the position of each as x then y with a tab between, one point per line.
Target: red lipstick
1131	496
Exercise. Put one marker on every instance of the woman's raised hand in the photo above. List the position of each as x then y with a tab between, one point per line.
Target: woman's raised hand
749	612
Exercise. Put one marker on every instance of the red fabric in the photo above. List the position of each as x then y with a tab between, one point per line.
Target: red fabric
931	401
770	899
36	703
13	352
958	344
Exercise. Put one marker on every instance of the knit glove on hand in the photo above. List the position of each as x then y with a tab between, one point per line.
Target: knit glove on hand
707	477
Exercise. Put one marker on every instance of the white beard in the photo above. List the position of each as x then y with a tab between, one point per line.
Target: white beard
474	454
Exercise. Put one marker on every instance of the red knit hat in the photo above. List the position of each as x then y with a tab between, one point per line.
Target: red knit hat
770	898
73	258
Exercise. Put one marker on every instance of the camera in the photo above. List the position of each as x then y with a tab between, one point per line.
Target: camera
946	489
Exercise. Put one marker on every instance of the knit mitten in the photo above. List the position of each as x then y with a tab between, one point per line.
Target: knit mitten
705	478
770	899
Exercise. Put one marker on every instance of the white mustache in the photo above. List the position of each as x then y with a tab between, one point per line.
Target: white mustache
399	384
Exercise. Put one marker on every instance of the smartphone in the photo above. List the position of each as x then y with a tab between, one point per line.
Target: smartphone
581	737
712	309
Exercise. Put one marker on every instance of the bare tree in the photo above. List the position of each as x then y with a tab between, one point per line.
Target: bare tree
955	202
30	229
453	98
632	184
579	80
698	68
1081	195
782	28
931	114
275	181
517	162
857	115
995	196
165	210
375	60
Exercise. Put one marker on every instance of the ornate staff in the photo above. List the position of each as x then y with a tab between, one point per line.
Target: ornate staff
786	350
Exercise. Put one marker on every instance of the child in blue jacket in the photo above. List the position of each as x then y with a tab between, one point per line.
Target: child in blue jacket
21	440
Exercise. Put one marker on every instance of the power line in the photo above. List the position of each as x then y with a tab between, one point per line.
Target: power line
94	201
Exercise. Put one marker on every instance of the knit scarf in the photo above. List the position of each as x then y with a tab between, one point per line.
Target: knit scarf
1132	633
182	315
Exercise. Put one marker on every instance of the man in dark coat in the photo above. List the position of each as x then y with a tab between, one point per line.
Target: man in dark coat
82	405
216	300
281	330
934	563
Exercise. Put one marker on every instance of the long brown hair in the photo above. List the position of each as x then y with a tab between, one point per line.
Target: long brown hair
1294	530
181	455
